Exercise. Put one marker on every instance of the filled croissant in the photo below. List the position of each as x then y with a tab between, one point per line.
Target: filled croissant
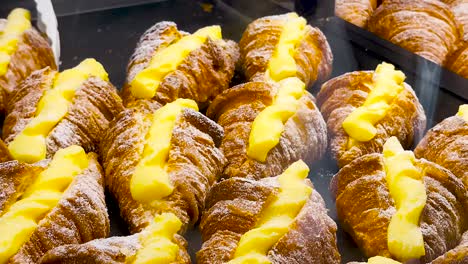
458	60
274	220
267	127
425	27
447	144
22	50
356	12
168	64
54	110
277	47
365	108
49	204
396	206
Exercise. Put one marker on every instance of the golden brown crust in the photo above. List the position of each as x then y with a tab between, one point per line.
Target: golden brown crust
33	53
4	152
94	105
426	27
340	96
112	250
447	145
304	135
194	165
460	11
364	206
236	206
458	255
458	60
203	74
356	12
313	54
80	215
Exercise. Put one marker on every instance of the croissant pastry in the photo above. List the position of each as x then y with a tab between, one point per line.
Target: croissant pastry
426	27
458	255
396	206
447	144
49	204
458	60
277	47
460	11
191	158
273	220
130	249
267	127
4	152
54	110
365	108
22	51
168	64
356	12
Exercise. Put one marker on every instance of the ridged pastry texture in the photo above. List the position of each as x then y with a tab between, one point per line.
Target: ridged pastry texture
111	250
234	206
32	53
447	145
304	135
193	166
340	96
202	75
312	54
458	60
365	207
460	11
458	255
94	105
356	12
427	27
80	215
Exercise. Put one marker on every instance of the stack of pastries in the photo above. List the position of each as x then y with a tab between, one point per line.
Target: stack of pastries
434	29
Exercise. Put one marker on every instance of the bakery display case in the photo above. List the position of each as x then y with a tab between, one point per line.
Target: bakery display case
234	131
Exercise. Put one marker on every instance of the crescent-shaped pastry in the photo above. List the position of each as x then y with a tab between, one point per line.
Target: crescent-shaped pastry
267	127
356	12
396	206
447	144
277	47
273	220
425	27
190	163
365	108
22	50
50	204
54	110
168	64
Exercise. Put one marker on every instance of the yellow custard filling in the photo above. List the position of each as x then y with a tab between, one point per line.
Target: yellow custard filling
157	241
387	84
22	218
30	145
269	124
150	181
404	180
276	217
282	64
463	112
18	21
166	60
382	260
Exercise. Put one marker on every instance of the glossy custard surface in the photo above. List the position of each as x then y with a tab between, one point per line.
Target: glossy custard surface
150	181
269	124
387	84
157	241
463	112
30	144
282	64
277	217
22	218
18	21
166	60
404	238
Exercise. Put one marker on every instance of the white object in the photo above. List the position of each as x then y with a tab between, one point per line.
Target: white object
47	23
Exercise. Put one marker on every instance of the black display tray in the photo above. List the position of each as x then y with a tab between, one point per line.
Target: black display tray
108	30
